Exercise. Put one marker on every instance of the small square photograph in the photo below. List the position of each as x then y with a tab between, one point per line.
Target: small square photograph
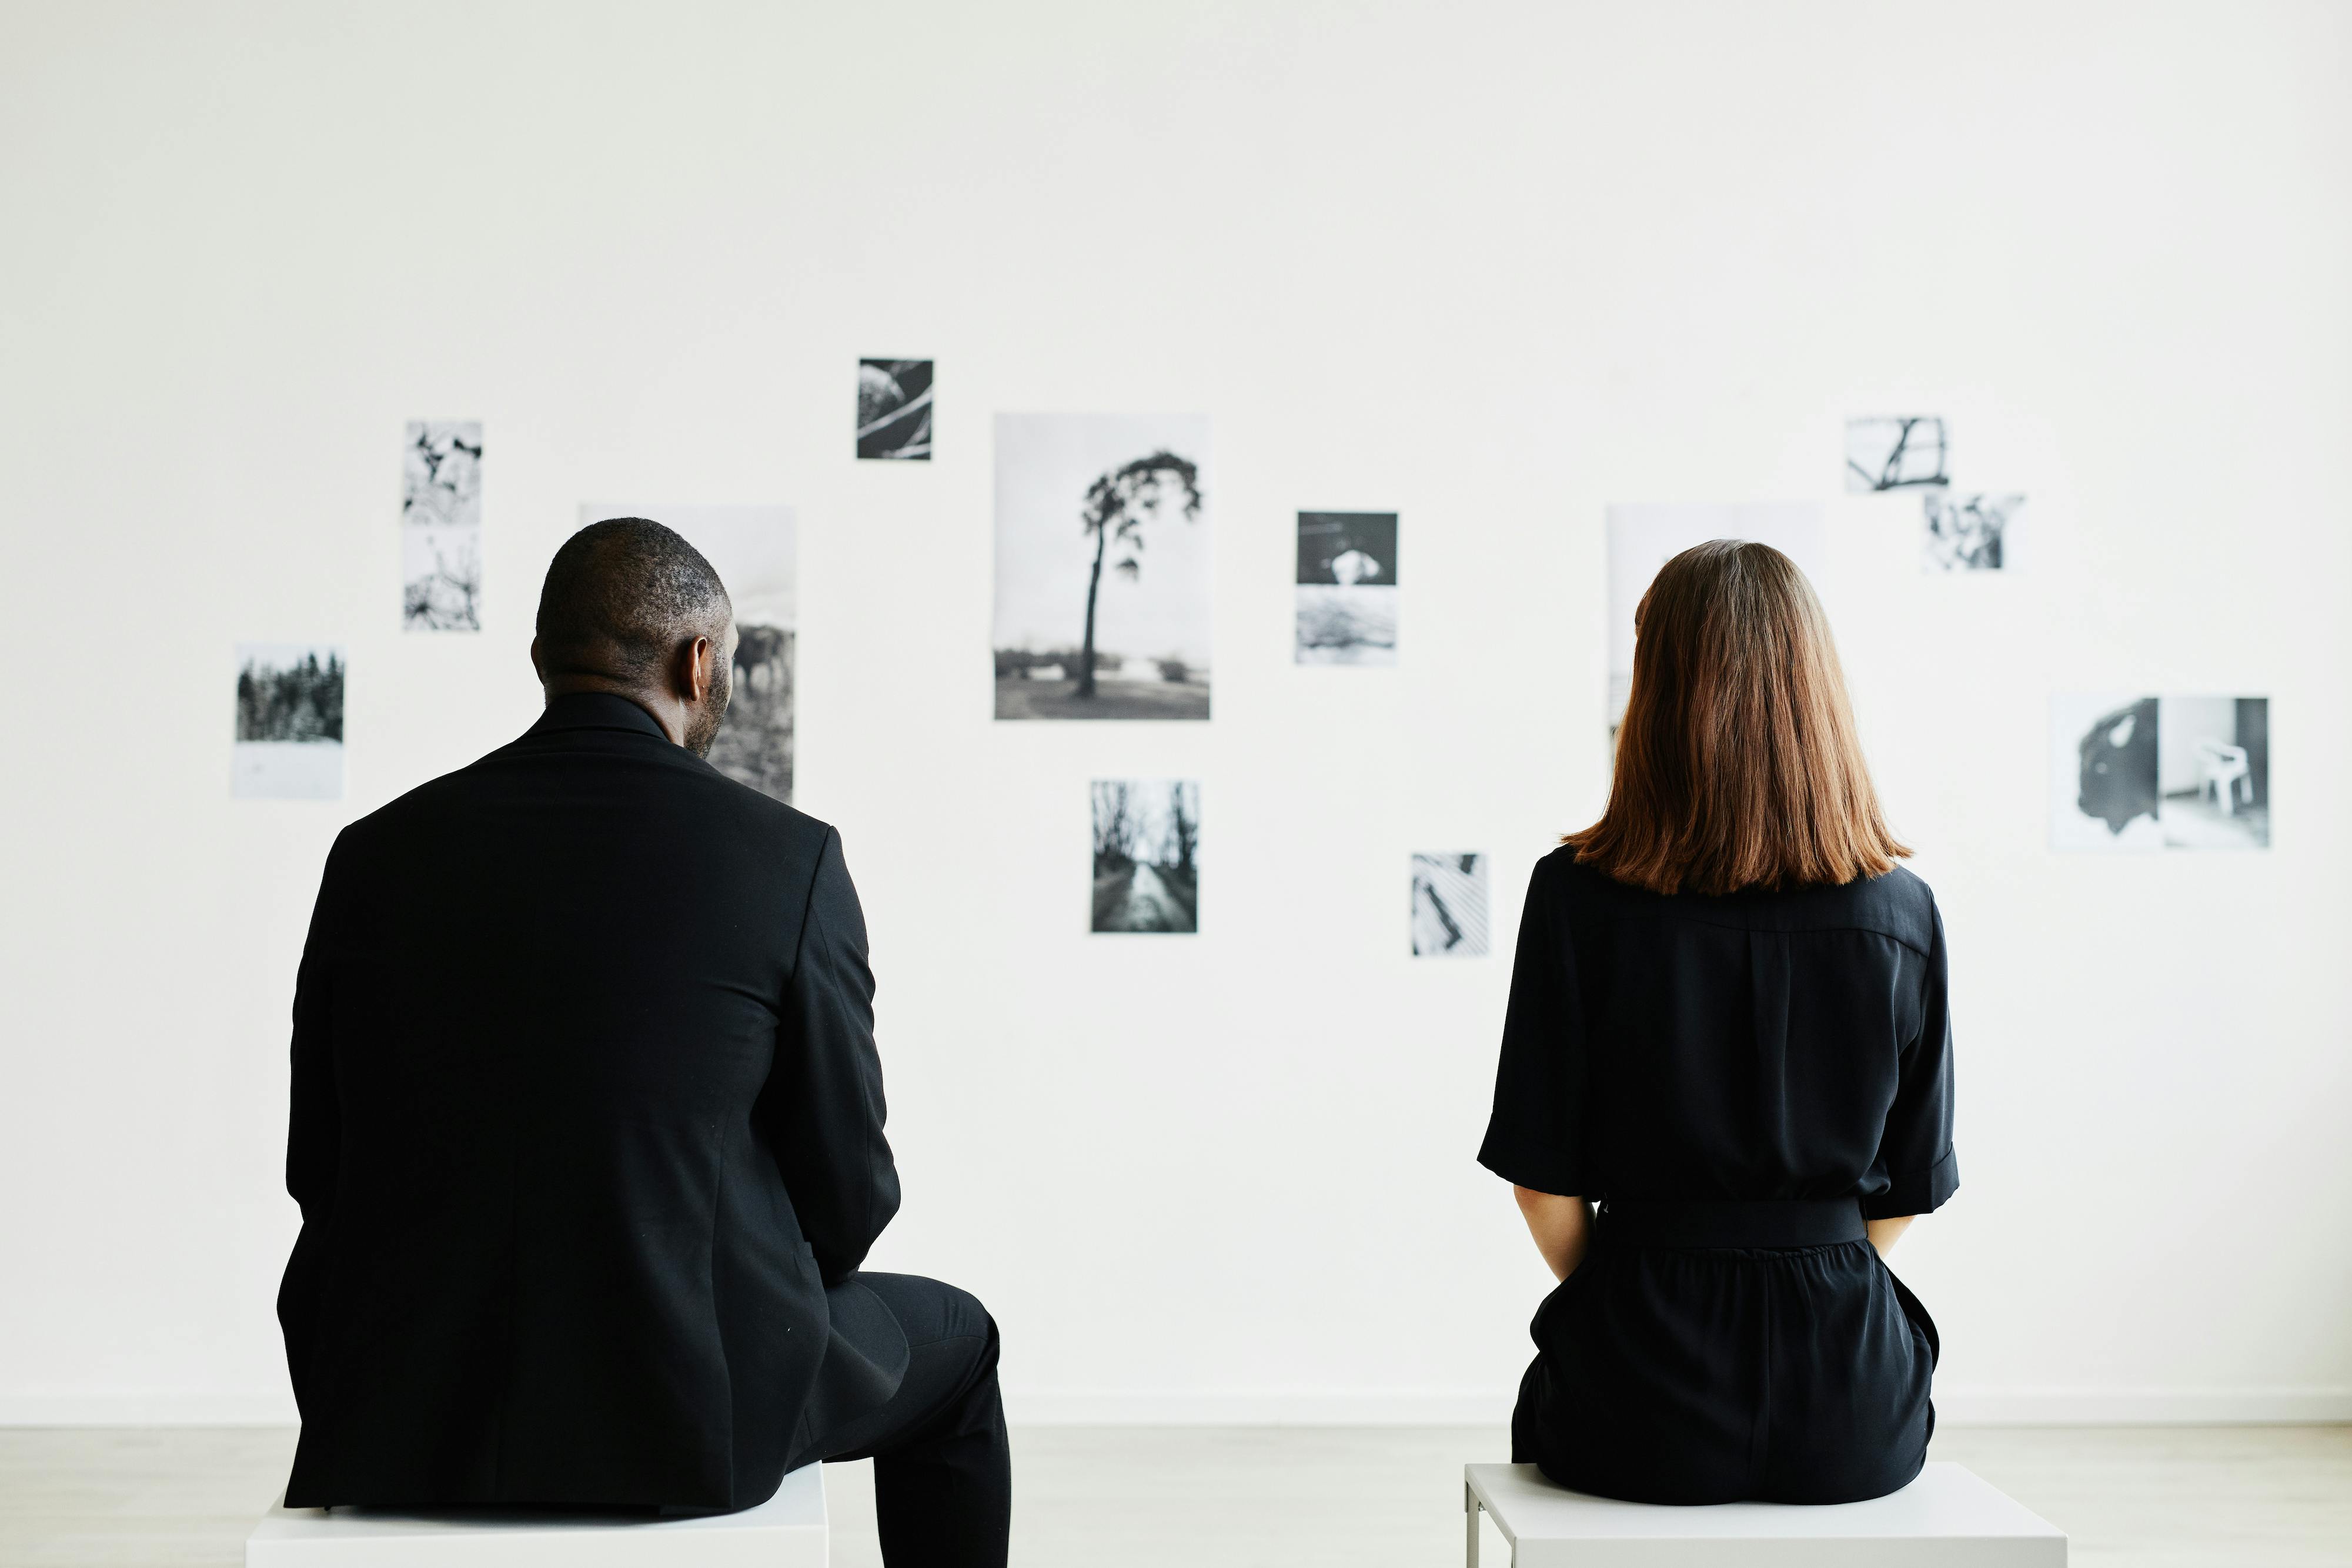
441	474
289	721
1895	453
1449	906
2213	768
1347	589
441	577
1967	533
894	409
1644	537
1147	855
1102	567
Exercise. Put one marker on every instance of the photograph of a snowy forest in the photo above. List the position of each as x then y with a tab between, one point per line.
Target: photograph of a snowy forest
1102	566
754	551
1147	855
894	409
1347	591
289	721
1449	906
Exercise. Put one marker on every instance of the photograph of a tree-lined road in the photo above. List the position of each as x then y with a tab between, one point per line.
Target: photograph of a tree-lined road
1147	855
1102	567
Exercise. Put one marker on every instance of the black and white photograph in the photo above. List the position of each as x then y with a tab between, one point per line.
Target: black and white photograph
441	474
1644	537
753	549
1449	905
289	721
441	577
2142	773
1102	566
1147	855
1896	452
1347	587
894	409
1967	533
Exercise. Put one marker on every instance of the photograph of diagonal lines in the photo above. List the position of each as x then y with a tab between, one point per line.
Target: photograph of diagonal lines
1449	906
1895	453
894	409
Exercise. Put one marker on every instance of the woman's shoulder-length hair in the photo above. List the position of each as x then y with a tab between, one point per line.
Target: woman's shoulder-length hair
1738	765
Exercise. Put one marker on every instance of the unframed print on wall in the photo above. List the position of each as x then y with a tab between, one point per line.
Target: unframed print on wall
1146	872
1449	905
894	409
289	721
1644	537
752	548
1967	533
1102	566
1895	451
1347	590
441	526
2133	772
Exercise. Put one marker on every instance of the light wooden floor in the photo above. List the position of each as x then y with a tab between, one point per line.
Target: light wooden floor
2244	1497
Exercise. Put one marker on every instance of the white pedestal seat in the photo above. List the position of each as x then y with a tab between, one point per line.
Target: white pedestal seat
1949	1518
788	1531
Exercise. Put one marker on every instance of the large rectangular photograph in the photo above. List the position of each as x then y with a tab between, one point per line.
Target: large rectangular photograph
1644	537
289	721
2141	772
1347	589
1102	566
754	550
1147	855
441	526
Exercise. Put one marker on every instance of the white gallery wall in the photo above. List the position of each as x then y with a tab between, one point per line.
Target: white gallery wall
1491	266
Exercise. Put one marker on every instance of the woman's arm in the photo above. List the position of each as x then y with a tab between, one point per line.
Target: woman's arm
1562	1227
1885	1233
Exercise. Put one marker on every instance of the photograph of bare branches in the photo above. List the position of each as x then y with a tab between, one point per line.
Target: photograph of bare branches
2135	772
753	550
441	474
1967	533
1896	452
441	526
1449	905
1147	855
1347	592
441	572
1102	567
894	409
289	721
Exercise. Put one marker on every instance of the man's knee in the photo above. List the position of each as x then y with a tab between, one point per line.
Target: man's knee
931	1311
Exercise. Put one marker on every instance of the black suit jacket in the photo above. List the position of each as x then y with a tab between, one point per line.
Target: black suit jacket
587	1137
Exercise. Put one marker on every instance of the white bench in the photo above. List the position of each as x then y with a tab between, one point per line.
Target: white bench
788	1531
1949	1518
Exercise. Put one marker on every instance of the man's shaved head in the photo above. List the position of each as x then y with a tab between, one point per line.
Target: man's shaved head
621	596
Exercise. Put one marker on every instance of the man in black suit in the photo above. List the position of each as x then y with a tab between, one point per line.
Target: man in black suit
587	1124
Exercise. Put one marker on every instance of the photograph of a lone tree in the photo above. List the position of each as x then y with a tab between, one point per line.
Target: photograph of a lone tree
1102	566
1147	855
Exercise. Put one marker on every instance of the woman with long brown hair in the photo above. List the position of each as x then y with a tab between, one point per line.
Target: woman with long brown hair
1728	1026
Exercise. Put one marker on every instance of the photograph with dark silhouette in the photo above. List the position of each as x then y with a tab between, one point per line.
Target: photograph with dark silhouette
894	410
1147	855
289	721
1102	567
1896	452
754	550
1347	589
1449	905
1967	533
2155	773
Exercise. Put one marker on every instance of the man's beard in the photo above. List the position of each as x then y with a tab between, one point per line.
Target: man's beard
702	727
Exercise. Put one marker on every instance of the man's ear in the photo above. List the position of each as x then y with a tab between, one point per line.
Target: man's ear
537	668
700	670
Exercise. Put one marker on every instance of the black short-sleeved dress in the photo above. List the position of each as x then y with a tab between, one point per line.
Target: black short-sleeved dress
1739	1082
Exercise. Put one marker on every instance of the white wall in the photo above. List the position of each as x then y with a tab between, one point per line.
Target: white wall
1492	267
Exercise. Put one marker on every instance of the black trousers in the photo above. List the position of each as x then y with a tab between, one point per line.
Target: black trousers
1708	1353
942	1466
